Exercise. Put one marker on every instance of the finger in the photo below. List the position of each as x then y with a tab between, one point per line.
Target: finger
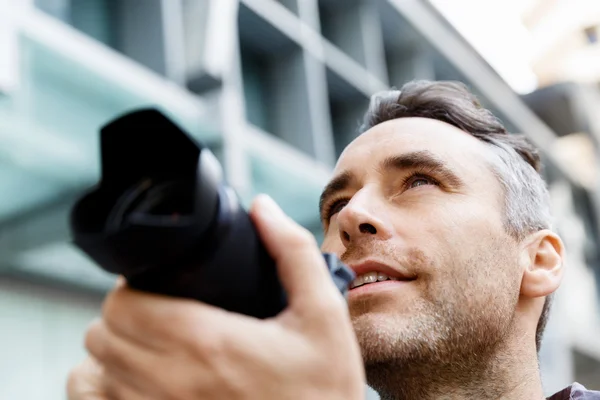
300	264
117	388
118	357
84	381
156	321
131	369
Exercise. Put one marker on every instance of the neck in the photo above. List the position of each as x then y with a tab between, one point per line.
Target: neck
511	372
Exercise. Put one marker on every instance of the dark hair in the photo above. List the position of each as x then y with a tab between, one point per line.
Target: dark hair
453	103
450	102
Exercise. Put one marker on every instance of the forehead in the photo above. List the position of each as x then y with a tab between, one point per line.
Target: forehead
391	138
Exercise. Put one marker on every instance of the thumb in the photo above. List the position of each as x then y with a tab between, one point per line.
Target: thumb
300	264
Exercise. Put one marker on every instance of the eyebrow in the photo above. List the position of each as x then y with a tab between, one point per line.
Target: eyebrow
422	160
419	160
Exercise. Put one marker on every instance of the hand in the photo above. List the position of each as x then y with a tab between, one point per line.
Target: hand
156	347
86	382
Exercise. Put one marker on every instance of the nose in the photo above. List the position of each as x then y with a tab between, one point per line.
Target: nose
362	219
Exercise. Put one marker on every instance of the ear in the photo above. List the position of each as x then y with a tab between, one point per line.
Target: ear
542	259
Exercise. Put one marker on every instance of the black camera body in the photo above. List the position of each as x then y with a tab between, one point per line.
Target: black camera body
163	216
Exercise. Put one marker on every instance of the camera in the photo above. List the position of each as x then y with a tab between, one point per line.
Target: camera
163	216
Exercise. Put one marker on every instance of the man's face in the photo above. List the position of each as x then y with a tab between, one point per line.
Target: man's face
416	200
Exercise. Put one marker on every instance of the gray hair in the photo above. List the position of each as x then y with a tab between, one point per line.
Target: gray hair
526	200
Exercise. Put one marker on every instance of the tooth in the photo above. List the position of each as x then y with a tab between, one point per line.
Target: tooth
370	277
358	281
381	276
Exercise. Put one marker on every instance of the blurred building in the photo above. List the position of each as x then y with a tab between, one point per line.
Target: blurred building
566	36
276	89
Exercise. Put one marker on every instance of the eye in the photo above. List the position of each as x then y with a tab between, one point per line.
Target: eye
420	182
418	179
335	208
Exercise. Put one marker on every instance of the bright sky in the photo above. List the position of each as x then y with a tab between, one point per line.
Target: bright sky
494	28
502	40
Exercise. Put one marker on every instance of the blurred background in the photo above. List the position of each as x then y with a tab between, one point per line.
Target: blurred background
276	89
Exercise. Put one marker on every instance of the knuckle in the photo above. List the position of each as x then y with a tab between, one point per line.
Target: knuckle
112	309
185	325
94	339
189	329
101	345
208	347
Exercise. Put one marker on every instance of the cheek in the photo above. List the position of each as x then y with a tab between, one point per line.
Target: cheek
473	253
452	234
462	224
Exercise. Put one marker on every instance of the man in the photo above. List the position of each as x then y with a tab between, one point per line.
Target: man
445	219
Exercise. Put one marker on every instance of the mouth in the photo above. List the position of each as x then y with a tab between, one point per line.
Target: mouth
371	272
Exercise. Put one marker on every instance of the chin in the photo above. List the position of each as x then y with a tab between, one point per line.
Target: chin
381	328
379	338
389	336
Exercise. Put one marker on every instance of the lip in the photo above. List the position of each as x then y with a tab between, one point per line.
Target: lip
364	267
376	287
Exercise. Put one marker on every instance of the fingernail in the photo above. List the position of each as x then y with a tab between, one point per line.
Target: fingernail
120	282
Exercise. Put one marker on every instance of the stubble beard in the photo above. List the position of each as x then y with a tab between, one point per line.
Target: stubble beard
451	339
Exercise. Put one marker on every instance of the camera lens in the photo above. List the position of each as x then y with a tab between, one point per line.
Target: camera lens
152	203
